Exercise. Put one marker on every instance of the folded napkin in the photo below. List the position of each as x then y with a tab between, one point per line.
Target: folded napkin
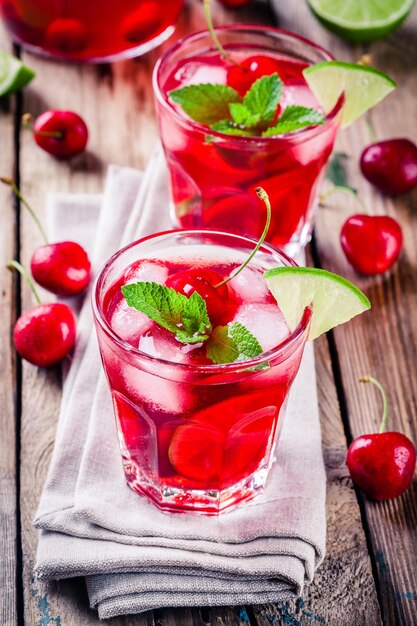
135	557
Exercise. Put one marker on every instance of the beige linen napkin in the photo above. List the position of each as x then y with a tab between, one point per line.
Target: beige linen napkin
134	556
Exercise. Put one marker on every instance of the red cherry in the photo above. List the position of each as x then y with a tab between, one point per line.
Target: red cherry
142	22
242	76
62	268
45	334
391	165
372	243
63	134
202	281
67	35
381	464
241	213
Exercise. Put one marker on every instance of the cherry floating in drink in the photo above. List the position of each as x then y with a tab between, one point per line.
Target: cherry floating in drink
90	31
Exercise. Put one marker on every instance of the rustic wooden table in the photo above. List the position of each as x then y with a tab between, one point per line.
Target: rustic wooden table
369	575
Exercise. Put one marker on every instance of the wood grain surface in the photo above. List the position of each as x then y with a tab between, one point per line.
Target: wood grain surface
8	378
371	548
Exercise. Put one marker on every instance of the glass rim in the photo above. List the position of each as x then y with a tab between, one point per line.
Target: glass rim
303	133
214	368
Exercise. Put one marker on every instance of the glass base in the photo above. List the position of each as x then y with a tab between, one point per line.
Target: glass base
211	502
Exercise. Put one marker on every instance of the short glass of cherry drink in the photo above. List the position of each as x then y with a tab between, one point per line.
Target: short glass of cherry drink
90	30
195	435
213	175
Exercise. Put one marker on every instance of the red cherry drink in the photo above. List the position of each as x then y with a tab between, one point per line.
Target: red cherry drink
97	30
195	435
213	176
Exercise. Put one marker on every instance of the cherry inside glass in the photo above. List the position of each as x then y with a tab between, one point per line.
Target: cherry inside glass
195	436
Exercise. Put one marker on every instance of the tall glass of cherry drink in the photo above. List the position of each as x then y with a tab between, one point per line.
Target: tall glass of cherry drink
90	30
194	435
213	176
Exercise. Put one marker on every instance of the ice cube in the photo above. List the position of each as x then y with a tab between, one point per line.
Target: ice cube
162	344
265	322
146	271
162	394
129	323
250	286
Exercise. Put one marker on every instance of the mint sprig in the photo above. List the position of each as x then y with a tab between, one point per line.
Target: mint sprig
186	317
224	110
294	118
206	103
188	320
231	343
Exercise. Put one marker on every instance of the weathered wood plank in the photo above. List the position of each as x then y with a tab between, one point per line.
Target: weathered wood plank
116	104
343	591
384	341
122	92
8	530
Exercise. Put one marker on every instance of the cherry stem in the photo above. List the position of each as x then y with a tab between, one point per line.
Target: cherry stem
216	41
15	265
344	189
15	189
42	133
262	195
374	381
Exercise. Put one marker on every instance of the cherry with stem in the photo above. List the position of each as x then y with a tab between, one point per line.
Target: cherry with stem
63	268
45	334
240	76
63	134
209	284
371	243
381	464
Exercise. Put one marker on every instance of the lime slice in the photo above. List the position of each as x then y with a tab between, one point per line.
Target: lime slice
361	20
363	86
335	300
13	74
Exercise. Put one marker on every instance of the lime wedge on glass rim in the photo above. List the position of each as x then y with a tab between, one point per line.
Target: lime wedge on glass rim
335	300
361	20
363	87
14	74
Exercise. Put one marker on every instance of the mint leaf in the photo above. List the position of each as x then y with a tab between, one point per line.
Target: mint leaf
295	118
263	97
242	116
186	317
206	103
231	343
230	128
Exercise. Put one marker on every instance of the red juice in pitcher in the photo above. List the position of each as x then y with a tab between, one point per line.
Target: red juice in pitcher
94	30
213	175
195	435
